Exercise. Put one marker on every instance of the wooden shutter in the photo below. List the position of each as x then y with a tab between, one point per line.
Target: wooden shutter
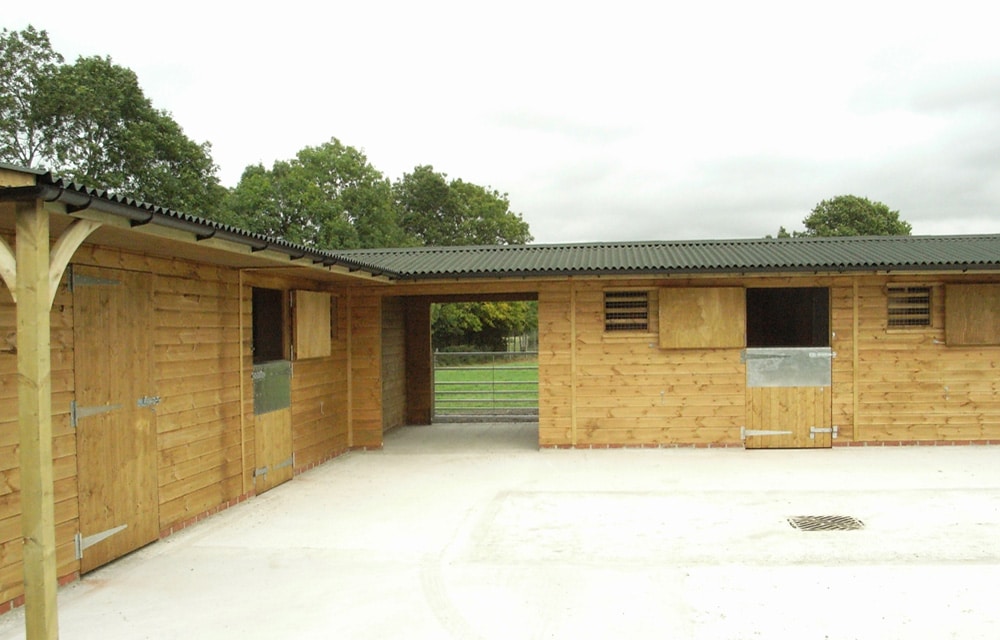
972	314
702	317
312	325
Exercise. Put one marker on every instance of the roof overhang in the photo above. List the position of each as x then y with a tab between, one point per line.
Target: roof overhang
141	228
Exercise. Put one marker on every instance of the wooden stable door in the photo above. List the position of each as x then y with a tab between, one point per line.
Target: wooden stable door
274	462
114	413
788	418
273	449
788	401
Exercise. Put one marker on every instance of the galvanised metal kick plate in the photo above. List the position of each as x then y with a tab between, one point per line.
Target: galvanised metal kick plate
788	366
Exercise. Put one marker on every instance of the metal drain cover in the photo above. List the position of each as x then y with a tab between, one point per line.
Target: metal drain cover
826	523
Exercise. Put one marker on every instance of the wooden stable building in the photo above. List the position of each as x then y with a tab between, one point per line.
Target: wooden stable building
156	368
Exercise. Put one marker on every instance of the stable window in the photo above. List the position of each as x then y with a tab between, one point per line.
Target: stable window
269	325
626	311
788	317
909	306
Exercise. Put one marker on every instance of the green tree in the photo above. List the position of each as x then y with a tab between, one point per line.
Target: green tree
90	122
849	215
441	213
481	325
328	196
26	62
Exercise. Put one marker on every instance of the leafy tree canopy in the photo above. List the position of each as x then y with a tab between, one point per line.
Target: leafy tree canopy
91	122
328	196
438	212
481	325
26	60
849	215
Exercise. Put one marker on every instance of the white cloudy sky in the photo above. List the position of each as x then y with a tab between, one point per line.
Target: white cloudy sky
602	121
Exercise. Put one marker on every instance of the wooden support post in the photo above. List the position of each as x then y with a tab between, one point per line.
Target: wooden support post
8	269
572	363
419	362
35	411
350	370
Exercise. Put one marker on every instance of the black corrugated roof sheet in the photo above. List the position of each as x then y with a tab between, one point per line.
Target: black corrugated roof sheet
687	256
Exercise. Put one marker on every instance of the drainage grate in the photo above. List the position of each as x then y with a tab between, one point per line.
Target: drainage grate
826	523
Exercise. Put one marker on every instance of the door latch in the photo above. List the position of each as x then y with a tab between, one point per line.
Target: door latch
148	401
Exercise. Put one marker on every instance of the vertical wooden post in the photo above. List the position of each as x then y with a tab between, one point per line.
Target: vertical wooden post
419	362
350	370
572	363
855	362
35	411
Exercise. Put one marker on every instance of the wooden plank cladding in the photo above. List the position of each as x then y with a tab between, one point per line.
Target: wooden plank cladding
600	388
199	331
393	363
684	383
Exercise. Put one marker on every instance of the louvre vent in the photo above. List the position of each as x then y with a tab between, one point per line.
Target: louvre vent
909	306
626	310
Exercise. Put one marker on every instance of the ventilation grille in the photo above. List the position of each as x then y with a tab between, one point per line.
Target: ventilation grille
626	310
909	306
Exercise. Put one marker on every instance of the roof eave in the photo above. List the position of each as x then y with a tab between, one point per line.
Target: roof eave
720	271
76	201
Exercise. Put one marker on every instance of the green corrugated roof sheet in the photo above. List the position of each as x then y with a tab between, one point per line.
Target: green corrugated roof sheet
941	253
680	257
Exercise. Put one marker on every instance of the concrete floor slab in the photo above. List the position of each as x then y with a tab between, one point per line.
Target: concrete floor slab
468	531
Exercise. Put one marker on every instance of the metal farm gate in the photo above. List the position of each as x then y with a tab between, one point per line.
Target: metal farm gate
486	385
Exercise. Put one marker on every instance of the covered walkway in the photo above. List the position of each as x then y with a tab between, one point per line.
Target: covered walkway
468	531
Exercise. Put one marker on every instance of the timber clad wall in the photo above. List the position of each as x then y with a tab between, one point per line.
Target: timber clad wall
198	378
555	364
393	363
622	389
599	388
319	401
912	386
205	453
365	365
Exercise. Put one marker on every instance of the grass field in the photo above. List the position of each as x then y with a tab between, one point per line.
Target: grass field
503	387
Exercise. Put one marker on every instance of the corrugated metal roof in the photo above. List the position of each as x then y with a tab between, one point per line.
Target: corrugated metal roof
78	196
623	258
702	256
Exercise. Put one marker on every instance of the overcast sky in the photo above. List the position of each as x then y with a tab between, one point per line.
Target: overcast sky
602	121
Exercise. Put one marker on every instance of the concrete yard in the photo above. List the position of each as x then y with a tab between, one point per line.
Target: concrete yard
468	531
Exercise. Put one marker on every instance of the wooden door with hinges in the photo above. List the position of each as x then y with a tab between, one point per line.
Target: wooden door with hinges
788	418
114	413
272	449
